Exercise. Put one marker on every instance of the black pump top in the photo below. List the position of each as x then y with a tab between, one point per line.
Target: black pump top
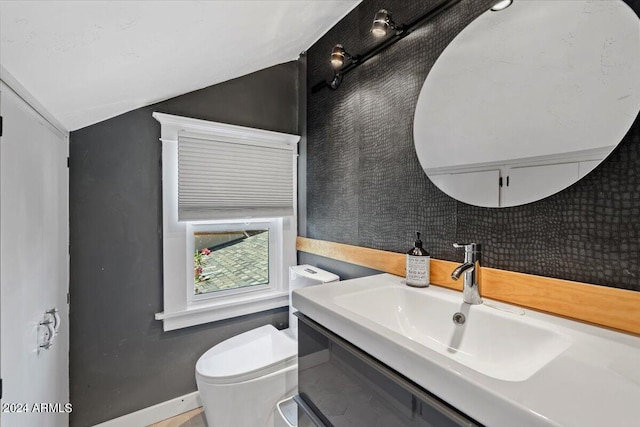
418	242
418	250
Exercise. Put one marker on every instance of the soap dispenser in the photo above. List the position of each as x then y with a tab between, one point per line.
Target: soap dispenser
417	270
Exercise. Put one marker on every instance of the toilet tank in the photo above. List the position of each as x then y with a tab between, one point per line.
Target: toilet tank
301	276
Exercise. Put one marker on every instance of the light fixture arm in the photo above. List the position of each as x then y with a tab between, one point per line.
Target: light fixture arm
401	31
335	82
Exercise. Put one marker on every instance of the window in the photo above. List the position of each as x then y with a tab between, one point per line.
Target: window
234	258
230	260
229	221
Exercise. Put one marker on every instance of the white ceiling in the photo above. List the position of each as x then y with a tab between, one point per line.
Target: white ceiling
86	61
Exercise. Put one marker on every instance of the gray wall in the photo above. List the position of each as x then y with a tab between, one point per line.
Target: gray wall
365	185
120	359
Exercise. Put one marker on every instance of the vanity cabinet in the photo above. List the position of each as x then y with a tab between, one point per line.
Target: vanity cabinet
340	385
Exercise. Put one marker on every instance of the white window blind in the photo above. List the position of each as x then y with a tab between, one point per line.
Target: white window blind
227	178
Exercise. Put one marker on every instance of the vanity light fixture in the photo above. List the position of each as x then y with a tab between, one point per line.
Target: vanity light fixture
382	23
338	56
501	5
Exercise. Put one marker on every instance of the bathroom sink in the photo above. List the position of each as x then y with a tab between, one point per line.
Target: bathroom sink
501	344
503	366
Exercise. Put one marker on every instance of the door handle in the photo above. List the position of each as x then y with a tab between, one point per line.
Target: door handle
48	341
56	319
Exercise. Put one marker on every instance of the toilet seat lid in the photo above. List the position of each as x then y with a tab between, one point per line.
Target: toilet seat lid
246	356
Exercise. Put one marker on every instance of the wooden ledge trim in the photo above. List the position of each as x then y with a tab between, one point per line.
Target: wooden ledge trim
600	305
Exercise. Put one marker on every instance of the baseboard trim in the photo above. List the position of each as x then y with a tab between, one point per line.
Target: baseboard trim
156	413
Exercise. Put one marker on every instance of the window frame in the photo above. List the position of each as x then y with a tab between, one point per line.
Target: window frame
181	311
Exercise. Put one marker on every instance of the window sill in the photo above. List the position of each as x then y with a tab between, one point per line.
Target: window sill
219	309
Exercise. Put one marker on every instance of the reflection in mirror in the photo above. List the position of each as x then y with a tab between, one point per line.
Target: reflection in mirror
225	260
527	100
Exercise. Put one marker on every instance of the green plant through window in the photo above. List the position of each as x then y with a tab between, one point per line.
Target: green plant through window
230	260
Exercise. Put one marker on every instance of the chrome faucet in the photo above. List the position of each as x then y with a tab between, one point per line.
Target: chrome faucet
470	291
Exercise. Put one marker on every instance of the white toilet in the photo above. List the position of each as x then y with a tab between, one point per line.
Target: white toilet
242	379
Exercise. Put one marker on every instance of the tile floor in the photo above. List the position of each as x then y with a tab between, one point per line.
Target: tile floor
193	418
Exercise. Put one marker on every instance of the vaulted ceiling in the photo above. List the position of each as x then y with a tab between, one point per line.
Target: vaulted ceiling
86	61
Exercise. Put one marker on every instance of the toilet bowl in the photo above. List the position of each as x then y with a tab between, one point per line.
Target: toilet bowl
242	379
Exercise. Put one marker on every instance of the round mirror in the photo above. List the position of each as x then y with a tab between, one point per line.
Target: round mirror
527	100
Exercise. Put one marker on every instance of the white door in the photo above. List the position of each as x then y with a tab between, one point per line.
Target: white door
34	266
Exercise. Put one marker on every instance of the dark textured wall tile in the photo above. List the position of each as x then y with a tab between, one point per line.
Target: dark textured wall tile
332	173
332	193
368	188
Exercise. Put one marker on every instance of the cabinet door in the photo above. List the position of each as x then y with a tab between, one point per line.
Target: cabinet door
535	182
587	166
476	188
342	386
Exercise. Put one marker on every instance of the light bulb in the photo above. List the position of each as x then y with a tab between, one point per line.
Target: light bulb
501	5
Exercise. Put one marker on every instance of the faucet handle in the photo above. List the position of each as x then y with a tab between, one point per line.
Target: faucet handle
468	247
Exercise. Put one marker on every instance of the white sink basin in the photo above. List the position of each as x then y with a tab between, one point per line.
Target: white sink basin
500	344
